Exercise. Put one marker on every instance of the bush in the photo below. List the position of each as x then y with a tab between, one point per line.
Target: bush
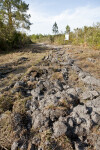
59	39
12	40
18	40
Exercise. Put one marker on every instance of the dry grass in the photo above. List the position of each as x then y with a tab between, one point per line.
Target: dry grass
64	143
34	70
96	130
73	79
19	106
62	105
15	102
92	137
57	76
60	143
52	107
33	59
82	55
6	102
6	132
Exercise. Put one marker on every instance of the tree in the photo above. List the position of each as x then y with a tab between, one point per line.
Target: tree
67	29
13	14
55	28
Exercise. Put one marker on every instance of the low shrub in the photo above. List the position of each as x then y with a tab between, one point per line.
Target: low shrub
13	40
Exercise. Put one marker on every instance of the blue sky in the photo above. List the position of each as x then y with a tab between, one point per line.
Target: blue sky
75	13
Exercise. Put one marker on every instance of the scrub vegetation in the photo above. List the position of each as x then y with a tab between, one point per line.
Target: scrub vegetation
86	36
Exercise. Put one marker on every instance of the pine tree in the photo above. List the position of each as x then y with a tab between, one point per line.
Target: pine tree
13	14
55	28
67	29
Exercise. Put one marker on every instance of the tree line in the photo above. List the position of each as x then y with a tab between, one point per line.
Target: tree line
86	36
13	18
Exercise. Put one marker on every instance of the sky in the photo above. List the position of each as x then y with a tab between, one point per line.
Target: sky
75	13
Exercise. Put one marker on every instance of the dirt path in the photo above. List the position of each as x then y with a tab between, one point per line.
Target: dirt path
55	105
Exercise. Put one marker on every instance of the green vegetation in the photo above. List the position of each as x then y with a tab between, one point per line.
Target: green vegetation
89	36
86	36
13	17
51	39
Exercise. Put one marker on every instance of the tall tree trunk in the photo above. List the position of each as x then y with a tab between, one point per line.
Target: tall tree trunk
10	24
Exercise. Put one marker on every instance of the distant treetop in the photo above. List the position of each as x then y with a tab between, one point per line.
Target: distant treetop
55	28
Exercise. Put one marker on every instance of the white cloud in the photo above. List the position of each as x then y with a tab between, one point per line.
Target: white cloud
42	22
